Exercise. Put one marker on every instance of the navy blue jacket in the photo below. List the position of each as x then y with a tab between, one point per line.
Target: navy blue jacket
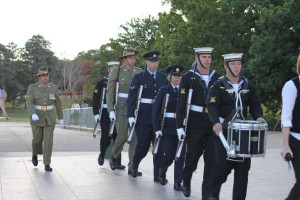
150	89
169	127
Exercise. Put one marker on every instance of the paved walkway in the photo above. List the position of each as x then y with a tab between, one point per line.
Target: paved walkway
77	175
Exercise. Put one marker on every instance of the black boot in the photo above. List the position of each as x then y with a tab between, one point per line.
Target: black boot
118	163
34	160
48	168
100	159
186	189
162	178
138	173
134	172
112	163
177	187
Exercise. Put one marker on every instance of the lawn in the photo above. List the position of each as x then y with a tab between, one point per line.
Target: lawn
20	113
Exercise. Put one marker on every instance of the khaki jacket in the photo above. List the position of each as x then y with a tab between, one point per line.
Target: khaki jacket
37	95
125	77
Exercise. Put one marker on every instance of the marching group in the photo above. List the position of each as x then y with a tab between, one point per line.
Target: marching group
183	115
178	113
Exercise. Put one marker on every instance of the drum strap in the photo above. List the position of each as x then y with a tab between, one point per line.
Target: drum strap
228	86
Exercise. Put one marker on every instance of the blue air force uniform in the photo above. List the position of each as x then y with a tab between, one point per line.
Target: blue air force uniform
144	127
169	140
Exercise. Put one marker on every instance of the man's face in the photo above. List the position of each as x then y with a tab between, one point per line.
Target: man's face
152	65
235	67
129	60
43	79
205	59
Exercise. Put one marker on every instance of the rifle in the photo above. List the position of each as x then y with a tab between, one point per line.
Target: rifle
100	113
157	140
131	129
112	124
185	121
96	127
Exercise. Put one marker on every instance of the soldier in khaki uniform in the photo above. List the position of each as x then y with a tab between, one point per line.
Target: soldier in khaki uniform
123	75
41	99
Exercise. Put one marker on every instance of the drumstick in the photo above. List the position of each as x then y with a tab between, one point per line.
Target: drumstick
223	140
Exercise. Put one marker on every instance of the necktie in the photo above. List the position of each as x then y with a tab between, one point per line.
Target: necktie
176	92
153	77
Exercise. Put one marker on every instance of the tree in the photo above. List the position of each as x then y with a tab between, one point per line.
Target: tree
38	53
274	49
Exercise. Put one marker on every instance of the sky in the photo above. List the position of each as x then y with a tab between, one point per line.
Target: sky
71	26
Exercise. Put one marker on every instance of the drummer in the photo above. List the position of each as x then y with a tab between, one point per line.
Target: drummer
221	108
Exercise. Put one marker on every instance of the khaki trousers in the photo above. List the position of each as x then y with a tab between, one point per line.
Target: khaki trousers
122	133
43	136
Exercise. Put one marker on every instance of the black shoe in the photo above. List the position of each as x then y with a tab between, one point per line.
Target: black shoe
138	173
35	161
120	166
177	187
211	198
186	190
133	172
48	168
156	179
112	163
163	181
100	160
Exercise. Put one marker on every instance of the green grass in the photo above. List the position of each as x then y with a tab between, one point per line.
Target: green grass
17	115
20	113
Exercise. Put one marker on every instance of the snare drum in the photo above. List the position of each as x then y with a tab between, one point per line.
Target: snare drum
248	138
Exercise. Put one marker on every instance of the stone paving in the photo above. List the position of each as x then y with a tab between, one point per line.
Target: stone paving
77	175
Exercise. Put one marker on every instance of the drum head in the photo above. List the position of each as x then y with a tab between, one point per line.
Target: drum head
247	125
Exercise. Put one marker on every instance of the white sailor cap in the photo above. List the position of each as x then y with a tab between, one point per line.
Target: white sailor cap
232	57
111	63
203	50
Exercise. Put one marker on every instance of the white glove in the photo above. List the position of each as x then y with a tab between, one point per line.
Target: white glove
180	134
131	121
185	122
112	115
261	120
97	118
34	117
61	123
158	134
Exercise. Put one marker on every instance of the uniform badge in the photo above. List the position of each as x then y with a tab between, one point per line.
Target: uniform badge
51	96
212	99
182	91
222	88
95	91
